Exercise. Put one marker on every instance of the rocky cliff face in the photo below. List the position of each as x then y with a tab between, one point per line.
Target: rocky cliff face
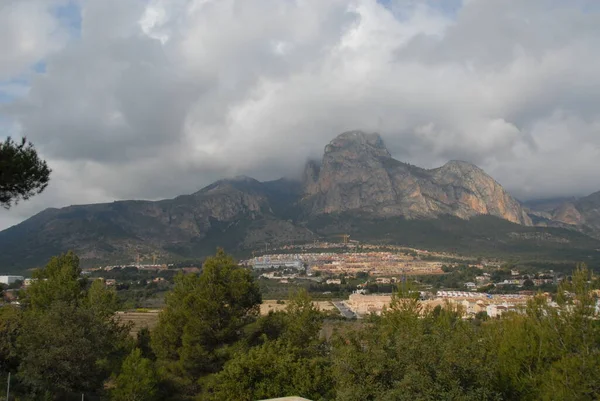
358	173
582	213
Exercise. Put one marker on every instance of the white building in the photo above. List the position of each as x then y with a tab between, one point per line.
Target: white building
10	279
268	263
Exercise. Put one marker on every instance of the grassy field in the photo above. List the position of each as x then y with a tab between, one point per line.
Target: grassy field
139	319
149	318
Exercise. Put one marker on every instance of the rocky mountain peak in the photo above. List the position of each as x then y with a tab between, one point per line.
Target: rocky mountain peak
240	183
461	166
358	143
357	173
460	170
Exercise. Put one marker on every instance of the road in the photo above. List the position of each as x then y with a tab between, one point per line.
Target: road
344	310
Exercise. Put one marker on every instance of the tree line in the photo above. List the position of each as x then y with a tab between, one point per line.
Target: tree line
211	343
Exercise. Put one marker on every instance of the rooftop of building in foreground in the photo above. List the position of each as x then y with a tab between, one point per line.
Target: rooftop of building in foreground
293	398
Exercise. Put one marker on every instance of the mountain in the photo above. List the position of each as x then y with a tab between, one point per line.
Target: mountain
357	188
237	212
583	213
357	173
546	205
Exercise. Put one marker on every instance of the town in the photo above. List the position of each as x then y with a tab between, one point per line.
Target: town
341	278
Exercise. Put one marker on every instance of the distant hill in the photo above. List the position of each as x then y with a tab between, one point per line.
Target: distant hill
583	213
547	204
357	188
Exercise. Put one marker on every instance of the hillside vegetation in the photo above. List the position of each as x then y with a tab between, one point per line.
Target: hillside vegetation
210	343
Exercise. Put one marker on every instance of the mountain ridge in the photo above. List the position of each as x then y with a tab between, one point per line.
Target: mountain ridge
357	178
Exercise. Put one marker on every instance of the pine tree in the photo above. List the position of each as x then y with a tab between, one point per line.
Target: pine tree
137	381
22	173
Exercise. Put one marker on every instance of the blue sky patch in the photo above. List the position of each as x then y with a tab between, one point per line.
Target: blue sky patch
69	15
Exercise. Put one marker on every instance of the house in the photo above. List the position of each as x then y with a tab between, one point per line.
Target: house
496	310
365	304
473	307
334	281
471	285
28	281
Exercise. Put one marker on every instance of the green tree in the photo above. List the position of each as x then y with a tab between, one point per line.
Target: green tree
101	299
10	327
412	352
550	352
295	362
203	316
22	173
58	281
137	381
302	320
528	284
143	342
66	349
274	369
70	339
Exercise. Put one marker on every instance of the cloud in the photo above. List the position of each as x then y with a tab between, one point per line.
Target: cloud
28	32
157	98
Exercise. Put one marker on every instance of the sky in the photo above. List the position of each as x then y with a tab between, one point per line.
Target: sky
150	99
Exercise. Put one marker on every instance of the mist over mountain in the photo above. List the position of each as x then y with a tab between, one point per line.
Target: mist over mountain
354	186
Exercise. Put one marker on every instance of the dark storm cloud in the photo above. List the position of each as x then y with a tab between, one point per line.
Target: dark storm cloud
159	98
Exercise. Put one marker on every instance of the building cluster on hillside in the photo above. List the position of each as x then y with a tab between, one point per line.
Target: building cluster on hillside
375	263
285	277
368	247
517	279
151	267
470	303
279	260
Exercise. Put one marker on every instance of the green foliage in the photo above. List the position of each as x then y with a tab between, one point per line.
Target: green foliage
143	343
528	284
455	277
294	363
479	236
302	321
59	281
137	381
274	369
412	353
101	299
203	316
210	344
10	327
22	173
69	340
66	349
551	352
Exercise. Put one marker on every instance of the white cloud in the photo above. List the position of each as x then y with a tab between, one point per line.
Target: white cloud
28	33
159	98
